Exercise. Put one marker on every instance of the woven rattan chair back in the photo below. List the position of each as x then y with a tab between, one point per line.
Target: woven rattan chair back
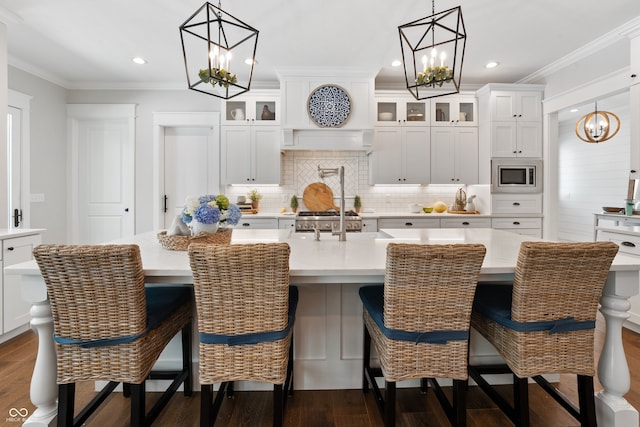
560	280
241	289
430	287
96	292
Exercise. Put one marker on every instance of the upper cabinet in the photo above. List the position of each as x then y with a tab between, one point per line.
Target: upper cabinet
400	155
260	107
397	108
454	111
516	106
510	122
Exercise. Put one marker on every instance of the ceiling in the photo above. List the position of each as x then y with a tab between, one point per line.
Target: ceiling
90	43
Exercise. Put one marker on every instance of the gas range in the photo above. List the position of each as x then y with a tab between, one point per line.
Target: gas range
308	221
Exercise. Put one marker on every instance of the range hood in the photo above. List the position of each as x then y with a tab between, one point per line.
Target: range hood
300	132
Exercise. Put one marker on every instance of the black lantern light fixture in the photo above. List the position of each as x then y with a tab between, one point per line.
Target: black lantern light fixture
597	126
219	52
432	53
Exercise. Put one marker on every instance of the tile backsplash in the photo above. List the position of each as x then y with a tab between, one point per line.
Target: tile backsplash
300	168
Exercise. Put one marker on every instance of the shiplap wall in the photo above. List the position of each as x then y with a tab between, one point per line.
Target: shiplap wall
591	176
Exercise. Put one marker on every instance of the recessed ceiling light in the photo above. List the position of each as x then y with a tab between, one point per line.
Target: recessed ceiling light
140	61
491	64
573	110
396	63
249	61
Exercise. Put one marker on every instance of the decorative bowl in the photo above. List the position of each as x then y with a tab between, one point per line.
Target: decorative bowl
427	209
612	210
386	116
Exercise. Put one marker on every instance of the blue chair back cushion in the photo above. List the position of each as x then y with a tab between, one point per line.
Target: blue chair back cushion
494	302
372	298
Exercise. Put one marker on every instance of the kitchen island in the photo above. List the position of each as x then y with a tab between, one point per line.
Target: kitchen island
328	330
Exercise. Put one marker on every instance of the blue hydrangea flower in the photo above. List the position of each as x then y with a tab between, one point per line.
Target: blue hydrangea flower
206	214
234	215
186	217
206	199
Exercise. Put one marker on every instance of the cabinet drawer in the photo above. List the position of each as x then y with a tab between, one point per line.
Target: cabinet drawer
465	223
286	224
259	223
409	223
516	223
370	225
516	203
628	244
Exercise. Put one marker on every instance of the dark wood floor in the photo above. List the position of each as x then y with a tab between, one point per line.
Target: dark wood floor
339	408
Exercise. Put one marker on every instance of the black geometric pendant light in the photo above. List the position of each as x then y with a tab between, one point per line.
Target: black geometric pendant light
219	52
433	52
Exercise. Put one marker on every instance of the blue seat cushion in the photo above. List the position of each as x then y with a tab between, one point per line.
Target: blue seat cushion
494	302
162	301
373	300
257	337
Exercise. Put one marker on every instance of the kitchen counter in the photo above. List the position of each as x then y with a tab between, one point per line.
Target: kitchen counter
328	330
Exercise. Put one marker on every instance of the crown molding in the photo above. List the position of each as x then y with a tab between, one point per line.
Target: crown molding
627	30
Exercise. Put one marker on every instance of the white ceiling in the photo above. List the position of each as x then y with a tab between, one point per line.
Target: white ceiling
90	43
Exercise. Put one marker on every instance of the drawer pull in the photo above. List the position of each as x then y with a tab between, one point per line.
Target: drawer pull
516	203
629	244
408	224
465	223
516	223
10	248
246	224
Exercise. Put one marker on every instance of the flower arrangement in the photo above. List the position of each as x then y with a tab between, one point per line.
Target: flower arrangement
218	76
209	210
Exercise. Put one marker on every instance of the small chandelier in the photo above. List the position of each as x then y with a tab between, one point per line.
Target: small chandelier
219	52
432	53
596	126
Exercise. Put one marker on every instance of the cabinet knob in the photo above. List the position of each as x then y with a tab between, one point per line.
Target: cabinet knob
515	115
633	76
10	248
514	152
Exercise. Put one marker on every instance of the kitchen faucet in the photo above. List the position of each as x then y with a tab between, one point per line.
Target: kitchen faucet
324	172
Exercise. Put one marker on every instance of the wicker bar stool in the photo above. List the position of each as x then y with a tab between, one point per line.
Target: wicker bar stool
419	322
246	311
109	327
544	323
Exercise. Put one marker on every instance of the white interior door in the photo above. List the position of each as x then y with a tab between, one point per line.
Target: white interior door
14	137
190	167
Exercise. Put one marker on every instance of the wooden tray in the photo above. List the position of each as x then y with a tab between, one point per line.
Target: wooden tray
463	212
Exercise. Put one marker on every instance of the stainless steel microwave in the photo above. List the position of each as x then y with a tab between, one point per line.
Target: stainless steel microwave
516	176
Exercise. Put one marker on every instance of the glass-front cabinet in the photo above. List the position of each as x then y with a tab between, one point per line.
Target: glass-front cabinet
257	108
454	111
396	108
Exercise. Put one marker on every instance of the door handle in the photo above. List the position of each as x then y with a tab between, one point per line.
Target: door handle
17	217
165	203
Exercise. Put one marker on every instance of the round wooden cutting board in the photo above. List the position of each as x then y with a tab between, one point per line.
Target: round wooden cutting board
318	197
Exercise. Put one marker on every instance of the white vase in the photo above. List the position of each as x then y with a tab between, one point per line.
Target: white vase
198	227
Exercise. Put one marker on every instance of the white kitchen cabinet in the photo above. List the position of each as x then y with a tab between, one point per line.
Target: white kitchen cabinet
516	139
14	309
250	154
408	222
514	204
454	111
394	108
287	224
521	106
519	225
258	107
257	223
465	222
454	155
369	224
400	156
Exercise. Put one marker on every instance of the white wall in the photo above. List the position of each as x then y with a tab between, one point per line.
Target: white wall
591	175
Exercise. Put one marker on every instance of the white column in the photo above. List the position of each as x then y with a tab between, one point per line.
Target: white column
44	390
612	409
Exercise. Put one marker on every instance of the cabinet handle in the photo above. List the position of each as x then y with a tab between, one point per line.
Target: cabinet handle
519	115
516	223
465	223
633	171
629	244
514	152
408	224
10	248
519	151
515	115
516	203
246	224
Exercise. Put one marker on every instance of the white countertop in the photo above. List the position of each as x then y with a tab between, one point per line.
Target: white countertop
6	233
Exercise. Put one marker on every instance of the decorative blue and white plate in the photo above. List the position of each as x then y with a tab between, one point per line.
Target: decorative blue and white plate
329	106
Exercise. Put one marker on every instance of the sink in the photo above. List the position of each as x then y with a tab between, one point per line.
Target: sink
378	235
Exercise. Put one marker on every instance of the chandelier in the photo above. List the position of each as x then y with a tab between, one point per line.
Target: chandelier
596	126
432	53
219	52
